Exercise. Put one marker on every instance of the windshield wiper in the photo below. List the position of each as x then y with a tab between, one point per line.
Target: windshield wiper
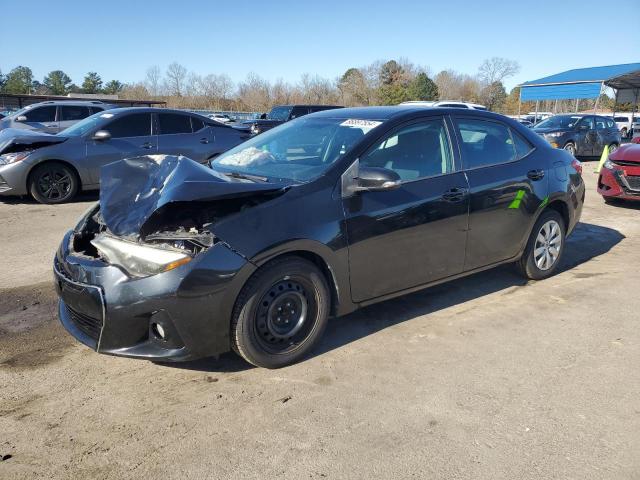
246	176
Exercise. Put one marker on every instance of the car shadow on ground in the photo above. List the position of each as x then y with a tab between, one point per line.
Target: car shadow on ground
586	242
90	196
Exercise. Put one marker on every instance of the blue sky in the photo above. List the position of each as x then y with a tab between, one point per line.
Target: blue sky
283	39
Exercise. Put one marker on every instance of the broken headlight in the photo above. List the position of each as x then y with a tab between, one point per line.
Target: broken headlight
138	260
9	158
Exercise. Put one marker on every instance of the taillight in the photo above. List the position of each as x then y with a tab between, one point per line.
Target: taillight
577	166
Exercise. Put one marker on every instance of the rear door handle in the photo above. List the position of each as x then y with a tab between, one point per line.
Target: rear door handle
147	145
204	140
535	174
455	194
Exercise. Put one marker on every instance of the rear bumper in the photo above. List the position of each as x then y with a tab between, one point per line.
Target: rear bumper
115	314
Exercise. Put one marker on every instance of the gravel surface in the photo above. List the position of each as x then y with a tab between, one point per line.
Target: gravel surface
487	377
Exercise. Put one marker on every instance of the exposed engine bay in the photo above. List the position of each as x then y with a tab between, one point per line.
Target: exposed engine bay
161	206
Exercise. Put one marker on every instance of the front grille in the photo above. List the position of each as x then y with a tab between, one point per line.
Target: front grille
633	181
88	325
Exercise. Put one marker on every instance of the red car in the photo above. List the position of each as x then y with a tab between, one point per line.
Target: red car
620	175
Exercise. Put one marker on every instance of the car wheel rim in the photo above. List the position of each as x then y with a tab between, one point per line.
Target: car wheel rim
284	316
548	245
613	148
54	184
569	148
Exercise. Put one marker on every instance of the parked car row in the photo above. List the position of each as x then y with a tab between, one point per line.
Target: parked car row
281	114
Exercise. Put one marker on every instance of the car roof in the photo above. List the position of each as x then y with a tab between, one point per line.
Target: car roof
119	110
68	102
387	113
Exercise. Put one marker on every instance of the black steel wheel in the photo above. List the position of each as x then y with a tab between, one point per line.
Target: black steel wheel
280	313
53	182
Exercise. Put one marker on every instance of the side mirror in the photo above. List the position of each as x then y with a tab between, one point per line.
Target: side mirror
101	136
21	118
375	179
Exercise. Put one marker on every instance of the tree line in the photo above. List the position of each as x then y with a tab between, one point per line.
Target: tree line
383	82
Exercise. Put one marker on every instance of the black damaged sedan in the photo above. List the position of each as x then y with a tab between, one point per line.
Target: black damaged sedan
315	218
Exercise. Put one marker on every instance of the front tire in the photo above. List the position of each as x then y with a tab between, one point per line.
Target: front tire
544	248
53	182
280	313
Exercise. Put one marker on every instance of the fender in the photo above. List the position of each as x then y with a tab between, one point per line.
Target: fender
336	261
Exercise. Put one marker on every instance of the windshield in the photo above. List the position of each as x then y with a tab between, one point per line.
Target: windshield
86	125
560	121
280	113
300	150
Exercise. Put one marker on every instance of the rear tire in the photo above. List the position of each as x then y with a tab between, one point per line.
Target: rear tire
571	148
544	248
53	182
281	313
613	147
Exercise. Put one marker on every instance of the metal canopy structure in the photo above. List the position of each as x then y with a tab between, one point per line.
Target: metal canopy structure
583	83
14	101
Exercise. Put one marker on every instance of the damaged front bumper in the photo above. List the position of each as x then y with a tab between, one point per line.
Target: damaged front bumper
181	314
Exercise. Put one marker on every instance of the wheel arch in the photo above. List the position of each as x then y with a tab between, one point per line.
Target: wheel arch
334	269
53	160
562	208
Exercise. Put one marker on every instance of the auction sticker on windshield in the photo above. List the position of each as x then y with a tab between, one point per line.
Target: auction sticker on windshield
364	125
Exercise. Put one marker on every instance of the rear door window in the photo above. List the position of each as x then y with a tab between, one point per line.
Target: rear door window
485	143
601	123
41	114
133	125
522	145
73	112
172	123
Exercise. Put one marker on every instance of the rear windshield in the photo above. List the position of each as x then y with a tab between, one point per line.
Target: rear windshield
280	113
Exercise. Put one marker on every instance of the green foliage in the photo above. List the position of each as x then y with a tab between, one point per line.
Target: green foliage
19	81
493	96
422	88
57	82
393	94
113	87
92	83
391	73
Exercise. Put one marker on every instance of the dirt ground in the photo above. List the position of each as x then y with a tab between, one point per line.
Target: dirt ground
487	377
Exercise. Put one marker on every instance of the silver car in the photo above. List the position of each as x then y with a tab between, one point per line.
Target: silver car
52	116
53	168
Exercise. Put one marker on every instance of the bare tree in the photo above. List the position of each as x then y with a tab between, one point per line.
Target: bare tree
153	80
497	69
175	82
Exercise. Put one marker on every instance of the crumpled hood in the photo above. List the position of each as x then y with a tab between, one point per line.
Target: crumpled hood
12	138
132	190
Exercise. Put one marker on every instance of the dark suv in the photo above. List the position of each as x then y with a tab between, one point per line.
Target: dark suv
281	114
316	218
580	135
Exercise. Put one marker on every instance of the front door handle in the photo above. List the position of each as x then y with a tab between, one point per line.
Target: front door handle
204	140
147	145
535	174
455	194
